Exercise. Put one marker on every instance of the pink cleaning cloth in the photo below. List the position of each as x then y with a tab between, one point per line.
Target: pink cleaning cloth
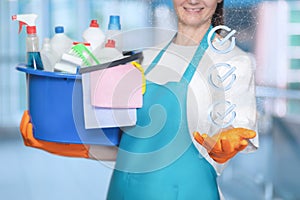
117	87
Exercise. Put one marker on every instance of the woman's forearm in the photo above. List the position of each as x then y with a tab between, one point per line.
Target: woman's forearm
105	153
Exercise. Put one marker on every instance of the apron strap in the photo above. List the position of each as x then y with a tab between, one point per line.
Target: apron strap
191	69
157	58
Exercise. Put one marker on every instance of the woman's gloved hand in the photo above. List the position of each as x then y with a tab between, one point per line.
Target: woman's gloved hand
223	146
62	149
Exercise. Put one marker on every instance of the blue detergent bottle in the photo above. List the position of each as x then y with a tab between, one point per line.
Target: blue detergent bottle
32	47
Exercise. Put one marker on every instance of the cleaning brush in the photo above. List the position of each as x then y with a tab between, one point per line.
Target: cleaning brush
85	54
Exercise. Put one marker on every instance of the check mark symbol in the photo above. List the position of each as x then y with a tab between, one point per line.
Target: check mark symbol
225	76
222	41
227	112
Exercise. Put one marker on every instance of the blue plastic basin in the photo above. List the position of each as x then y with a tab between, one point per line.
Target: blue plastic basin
56	109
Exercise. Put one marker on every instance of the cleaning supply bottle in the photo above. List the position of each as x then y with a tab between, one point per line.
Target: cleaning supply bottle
60	42
109	53
94	35
114	31
48	56
32	41
34	59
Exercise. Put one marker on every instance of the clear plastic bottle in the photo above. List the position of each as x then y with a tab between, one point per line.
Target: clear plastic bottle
109	53
32	48
48	56
114	31
60	42
94	35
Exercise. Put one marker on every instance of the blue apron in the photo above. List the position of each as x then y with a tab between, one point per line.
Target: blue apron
156	158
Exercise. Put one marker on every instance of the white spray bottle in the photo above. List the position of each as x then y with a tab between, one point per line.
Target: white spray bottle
32	41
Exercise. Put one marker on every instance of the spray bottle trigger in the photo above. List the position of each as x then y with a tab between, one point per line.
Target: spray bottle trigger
21	24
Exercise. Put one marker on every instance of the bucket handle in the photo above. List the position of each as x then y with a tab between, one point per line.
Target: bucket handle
136	56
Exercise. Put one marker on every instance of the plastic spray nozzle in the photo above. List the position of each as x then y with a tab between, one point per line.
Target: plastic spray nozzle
25	19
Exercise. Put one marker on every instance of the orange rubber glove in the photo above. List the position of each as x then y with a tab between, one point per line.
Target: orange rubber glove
62	149
223	146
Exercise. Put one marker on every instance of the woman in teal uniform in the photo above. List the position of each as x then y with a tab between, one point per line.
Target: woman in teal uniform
157	159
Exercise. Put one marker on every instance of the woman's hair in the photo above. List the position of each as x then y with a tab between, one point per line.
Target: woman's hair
218	17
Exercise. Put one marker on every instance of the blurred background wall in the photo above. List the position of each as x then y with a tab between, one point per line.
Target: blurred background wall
268	29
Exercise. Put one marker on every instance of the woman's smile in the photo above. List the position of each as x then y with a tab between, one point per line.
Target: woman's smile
193	10
195	13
